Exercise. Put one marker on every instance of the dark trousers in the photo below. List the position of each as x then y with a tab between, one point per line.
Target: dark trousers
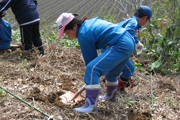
30	36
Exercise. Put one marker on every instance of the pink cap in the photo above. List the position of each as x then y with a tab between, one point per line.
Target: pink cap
62	21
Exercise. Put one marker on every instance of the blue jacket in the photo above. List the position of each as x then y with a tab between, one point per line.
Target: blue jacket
95	34
131	25
24	10
5	34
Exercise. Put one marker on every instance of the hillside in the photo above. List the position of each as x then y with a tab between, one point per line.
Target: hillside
40	80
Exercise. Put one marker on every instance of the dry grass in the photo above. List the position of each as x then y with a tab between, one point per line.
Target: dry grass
39	80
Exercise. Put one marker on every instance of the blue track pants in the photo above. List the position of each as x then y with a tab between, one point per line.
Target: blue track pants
111	62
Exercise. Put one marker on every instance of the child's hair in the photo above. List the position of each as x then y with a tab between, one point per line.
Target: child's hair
140	15
76	20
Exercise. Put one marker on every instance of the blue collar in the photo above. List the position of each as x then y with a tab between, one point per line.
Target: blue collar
139	26
77	31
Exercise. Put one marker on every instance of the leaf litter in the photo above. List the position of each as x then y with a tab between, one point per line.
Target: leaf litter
40	80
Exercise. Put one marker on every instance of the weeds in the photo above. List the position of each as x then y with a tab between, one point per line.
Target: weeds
130	103
3	98
2	92
138	66
16	35
161	37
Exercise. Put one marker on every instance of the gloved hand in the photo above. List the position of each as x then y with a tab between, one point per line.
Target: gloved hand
139	48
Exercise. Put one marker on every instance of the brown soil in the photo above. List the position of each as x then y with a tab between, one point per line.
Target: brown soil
40	80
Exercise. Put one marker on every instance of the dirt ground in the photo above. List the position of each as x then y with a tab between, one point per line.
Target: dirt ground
40	80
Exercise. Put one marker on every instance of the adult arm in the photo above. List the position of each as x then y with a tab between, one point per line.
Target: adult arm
5	4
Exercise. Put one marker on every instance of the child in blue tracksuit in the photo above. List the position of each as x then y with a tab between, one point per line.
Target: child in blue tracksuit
132	25
94	34
135	22
27	16
5	34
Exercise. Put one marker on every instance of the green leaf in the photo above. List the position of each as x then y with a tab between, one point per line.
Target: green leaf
25	60
164	71
130	103
155	24
138	66
1	92
157	65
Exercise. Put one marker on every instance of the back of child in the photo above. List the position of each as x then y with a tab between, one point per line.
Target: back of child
5	34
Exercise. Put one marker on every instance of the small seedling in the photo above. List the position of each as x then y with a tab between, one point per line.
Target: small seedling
130	103
138	66
2	92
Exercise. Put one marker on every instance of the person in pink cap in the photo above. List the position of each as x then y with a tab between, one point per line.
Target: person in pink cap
62	21
94	34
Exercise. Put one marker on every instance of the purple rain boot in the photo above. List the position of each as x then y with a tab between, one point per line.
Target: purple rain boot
110	92
92	95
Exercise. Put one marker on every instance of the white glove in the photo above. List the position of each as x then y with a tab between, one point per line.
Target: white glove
139	48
